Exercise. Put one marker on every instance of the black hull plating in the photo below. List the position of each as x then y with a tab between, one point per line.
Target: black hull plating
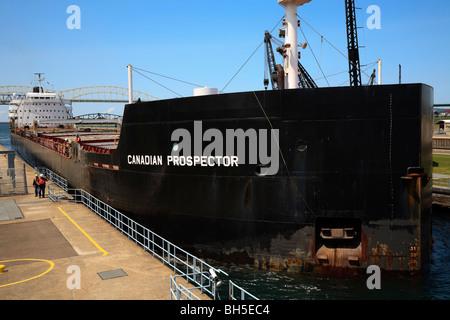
350	158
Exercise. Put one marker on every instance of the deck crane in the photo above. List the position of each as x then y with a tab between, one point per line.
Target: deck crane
276	70
271	65
352	44
305	80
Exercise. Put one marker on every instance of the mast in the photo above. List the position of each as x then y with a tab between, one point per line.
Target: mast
130	84
291	44
40	80
352	44
379	72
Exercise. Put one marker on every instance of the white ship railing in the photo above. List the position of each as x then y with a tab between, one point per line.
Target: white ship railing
204	277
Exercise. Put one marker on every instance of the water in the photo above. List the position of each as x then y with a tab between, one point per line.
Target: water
434	285
4	135
271	285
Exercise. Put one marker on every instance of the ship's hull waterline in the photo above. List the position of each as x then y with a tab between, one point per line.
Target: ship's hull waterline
352	186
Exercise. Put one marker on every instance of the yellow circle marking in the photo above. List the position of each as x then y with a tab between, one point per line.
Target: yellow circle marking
51	263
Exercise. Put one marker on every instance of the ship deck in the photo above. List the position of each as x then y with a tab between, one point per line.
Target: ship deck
92	141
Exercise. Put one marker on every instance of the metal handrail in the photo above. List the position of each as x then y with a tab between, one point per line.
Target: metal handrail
178	259
55	178
178	291
188	266
243	294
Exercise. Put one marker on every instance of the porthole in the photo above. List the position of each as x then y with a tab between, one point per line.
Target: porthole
301	146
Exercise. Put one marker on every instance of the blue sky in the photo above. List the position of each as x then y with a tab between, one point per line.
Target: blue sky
206	42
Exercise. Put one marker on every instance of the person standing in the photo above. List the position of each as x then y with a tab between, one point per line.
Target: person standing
36	185
42	181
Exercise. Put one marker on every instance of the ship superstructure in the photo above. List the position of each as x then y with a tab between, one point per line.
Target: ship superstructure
39	108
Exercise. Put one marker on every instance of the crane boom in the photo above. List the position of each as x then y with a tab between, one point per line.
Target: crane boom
275	70
352	44
271	62
304	79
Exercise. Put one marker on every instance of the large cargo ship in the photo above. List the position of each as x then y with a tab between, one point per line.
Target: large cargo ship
292	179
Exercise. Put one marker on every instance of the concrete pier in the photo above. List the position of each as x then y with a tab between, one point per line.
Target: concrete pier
63	251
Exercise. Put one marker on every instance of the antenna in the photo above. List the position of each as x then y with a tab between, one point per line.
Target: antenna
40	80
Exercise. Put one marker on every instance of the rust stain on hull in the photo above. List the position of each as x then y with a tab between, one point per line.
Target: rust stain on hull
342	262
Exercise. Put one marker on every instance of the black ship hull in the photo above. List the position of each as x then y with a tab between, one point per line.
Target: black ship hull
352	187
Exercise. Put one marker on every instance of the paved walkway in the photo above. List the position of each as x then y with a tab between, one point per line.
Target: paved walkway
63	251
9	210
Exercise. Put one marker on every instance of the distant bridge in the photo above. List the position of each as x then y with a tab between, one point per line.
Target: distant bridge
84	94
